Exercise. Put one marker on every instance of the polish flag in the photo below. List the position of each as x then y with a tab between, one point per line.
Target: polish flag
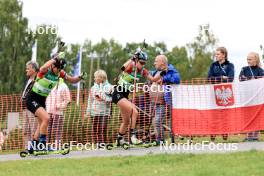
218	108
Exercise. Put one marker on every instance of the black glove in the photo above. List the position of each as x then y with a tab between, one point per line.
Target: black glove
163	73
83	76
55	58
60	55
134	58
123	68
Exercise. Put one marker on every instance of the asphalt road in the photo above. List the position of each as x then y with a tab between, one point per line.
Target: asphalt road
168	149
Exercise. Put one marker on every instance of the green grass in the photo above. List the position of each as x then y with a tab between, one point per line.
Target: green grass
246	163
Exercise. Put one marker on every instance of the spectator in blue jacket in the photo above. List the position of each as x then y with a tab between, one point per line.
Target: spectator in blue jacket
252	71
221	70
161	95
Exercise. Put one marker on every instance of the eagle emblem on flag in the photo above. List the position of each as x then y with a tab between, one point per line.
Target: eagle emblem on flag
224	95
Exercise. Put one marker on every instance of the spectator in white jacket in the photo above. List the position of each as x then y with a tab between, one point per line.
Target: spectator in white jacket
56	104
99	107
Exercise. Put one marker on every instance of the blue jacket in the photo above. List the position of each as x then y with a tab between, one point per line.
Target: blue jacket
249	72
217	70
171	77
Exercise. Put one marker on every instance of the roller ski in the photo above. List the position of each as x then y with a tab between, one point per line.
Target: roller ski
115	145
152	143
136	143
127	146
35	151
26	153
148	139
121	143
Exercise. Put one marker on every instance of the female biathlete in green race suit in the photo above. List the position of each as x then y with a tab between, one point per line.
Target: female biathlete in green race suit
47	78
133	69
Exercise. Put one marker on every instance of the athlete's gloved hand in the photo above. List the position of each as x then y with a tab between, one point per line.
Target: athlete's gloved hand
163	73
135	56
56	57
83	76
61	55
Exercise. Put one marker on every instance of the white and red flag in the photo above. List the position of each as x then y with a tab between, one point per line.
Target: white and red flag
218	108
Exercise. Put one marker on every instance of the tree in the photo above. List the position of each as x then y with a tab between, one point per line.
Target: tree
46	42
201	52
16	41
111	56
15	46
179	58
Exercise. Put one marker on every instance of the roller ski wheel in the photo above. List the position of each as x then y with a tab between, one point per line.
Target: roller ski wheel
109	146
65	151
26	153
23	154
125	146
112	146
155	143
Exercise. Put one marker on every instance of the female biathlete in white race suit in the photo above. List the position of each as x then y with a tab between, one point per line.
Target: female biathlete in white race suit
122	90
47	78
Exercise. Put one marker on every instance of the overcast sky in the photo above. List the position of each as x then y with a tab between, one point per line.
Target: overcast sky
237	24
